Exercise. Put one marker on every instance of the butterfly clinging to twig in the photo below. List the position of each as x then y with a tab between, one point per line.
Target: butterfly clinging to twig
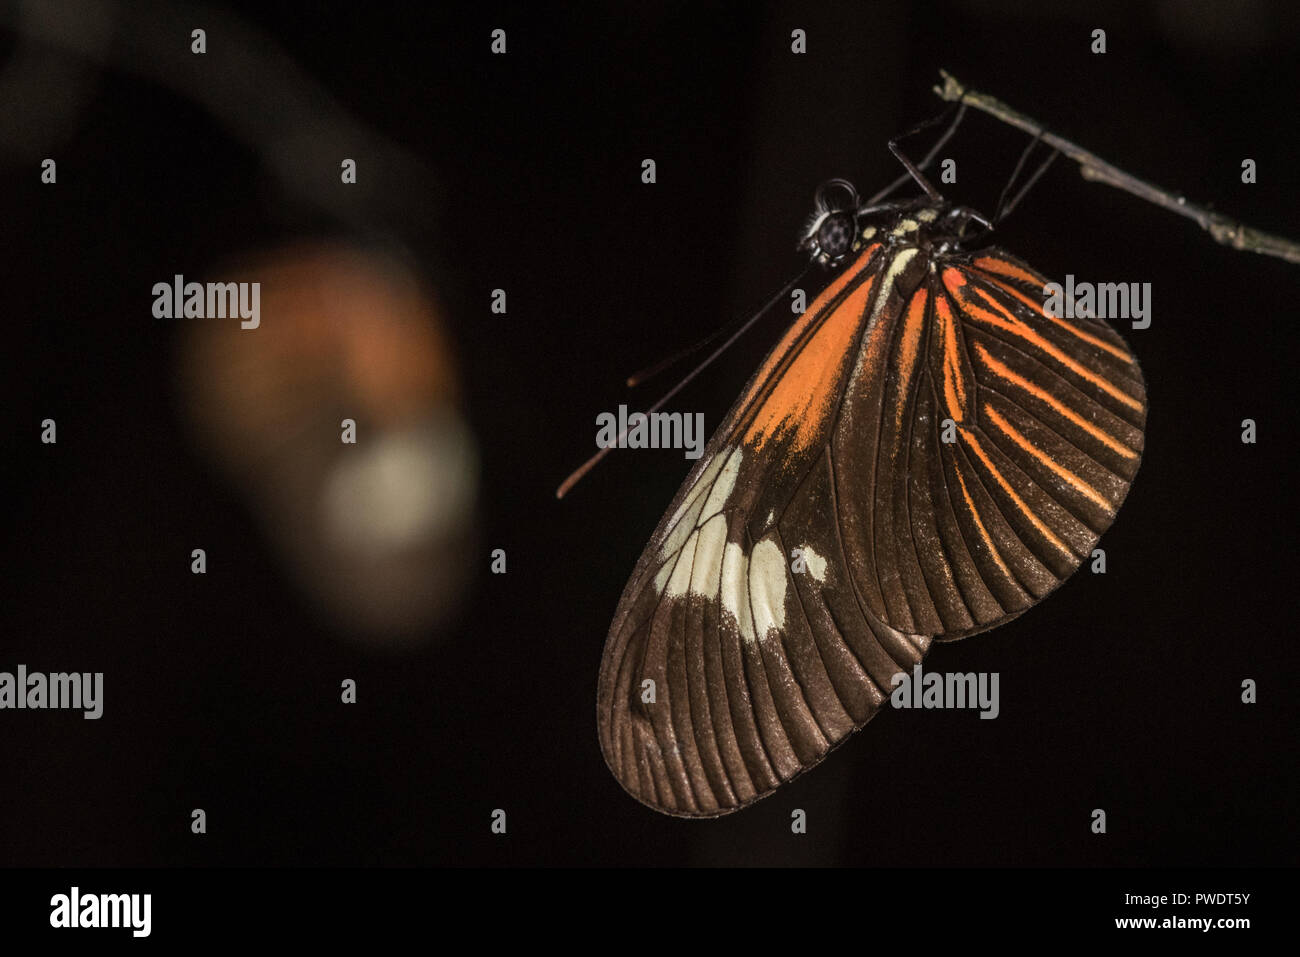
925	455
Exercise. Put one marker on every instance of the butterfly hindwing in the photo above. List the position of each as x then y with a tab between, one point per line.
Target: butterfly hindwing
1049	437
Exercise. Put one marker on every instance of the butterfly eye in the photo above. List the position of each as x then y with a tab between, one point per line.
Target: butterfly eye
835	235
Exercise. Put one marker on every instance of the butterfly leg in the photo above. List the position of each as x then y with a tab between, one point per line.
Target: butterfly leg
1004	207
957	111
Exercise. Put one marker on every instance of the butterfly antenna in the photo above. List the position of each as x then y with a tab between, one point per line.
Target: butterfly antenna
578	473
651	371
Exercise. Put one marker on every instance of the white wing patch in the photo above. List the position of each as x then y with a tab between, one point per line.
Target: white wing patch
707	571
681	577
719	477
735	590
815	564
699	561
706	477
722	489
682	530
767	587
750	588
661	577
684	519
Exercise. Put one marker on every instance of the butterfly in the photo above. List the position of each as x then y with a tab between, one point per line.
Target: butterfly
925	454
366	530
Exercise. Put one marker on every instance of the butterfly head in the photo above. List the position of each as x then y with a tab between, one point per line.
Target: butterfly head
833	227
840	226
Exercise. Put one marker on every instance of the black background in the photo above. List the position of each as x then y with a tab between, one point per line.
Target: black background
1121	691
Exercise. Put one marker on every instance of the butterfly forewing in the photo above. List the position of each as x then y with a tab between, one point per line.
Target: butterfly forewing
925	454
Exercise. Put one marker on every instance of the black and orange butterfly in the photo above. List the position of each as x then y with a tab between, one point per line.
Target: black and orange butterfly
929	448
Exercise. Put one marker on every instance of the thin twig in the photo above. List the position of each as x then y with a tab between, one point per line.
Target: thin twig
1222	229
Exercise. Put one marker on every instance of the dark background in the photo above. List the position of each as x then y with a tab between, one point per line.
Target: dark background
1121	691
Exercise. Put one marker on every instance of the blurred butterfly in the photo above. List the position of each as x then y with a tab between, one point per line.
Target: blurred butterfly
370	531
925	454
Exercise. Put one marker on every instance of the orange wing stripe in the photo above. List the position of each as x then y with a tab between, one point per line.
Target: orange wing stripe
812	314
1020	503
801	398
1011	270
998	369
913	323
1075	331
1000	267
1078	484
956	284
954	385
984	534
